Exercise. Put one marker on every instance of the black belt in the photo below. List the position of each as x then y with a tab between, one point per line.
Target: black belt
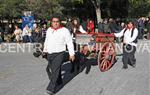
56	53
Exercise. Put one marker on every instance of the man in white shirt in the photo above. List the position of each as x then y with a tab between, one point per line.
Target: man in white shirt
57	38
129	35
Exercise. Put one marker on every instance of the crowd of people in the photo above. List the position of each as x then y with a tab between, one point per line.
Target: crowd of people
25	35
115	26
13	32
56	36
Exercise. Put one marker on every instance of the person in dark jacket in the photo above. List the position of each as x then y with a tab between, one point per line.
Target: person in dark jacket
113	26
141	28
1	35
37	35
100	26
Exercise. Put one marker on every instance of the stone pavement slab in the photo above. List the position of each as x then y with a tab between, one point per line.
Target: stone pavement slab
23	74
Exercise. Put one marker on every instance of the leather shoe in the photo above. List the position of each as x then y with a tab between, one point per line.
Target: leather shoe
133	65
115	60
72	70
49	92
59	82
124	67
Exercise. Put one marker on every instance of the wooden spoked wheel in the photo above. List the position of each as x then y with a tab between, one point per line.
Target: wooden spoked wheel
106	56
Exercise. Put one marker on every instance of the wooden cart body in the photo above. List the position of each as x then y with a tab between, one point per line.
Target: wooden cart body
100	46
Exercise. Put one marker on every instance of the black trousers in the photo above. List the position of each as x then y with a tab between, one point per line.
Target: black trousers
77	62
53	69
128	55
141	32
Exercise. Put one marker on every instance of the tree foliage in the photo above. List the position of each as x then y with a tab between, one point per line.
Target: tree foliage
45	8
11	8
40	8
138	8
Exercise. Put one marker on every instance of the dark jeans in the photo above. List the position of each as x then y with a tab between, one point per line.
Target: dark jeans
1	40
128	55
53	69
141	33
25	38
30	39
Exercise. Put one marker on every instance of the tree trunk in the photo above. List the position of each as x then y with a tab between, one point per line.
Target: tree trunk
109	3
108	12
98	15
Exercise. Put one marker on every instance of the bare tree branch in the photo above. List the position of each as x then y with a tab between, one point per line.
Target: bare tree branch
98	3
94	3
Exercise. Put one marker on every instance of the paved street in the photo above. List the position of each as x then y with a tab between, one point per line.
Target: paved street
23	74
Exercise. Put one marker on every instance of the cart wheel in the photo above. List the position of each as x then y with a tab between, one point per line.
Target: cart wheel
106	56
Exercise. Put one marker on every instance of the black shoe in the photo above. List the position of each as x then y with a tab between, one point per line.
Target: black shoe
125	67
59	82
72	70
50	93
133	65
78	69
115	60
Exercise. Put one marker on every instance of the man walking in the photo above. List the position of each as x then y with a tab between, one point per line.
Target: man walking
57	37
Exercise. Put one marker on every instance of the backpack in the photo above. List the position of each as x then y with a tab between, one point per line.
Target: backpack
136	40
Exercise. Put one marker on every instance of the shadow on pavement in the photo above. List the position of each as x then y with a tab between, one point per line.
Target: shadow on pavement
67	76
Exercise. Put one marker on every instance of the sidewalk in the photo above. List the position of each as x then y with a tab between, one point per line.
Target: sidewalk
22	74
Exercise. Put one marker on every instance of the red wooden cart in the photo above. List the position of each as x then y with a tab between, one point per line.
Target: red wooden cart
100	46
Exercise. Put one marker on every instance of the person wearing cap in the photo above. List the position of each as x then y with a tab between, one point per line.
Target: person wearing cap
57	37
129	34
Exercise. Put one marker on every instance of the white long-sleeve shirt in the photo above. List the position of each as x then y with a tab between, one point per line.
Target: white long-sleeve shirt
81	29
56	41
127	36
26	32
